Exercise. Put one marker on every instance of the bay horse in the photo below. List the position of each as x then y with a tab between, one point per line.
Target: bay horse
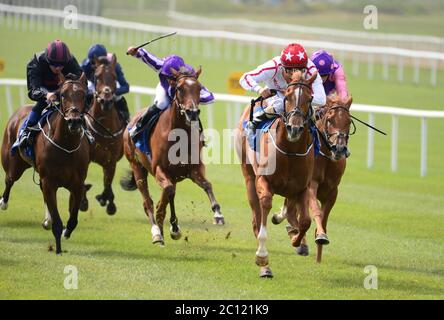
61	155
329	166
181	117
291	143
107	127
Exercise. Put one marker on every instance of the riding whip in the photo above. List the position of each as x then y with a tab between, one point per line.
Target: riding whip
161	37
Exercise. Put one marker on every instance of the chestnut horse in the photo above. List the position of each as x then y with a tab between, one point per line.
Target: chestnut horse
181	117
61	155
329	166
291	143
107	128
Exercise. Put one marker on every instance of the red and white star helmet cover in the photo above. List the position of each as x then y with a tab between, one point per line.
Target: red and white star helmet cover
294	56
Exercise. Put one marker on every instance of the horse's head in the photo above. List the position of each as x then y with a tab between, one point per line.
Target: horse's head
73	97
336	126
105	81
298	110
187	93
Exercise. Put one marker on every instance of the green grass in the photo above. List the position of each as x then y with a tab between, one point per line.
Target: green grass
390	220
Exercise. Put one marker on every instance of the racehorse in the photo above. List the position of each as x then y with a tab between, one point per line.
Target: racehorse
107	127
329	166
291	143
181	117
61	155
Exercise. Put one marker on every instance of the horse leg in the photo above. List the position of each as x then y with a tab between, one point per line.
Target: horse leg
170	189
198	177
108	176
265	199
253	200
327	205
5	197
161	210
293	228
13	173
140	176
47	222
74	204
304	220
84	203
320	234
280	216
50	197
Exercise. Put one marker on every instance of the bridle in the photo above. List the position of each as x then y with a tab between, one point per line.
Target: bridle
97	94
182	109
297	109
326	135
73	108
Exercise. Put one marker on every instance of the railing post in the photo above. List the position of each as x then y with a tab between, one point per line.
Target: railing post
370	66
423	146
401	69
229	116
433	72
394	143
137	103
370	141
210	124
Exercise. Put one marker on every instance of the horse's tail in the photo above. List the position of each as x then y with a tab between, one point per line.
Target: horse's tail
128	182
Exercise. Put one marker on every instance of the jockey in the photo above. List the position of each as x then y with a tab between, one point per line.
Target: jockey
89	67
332	73
43	80
276	74
165	89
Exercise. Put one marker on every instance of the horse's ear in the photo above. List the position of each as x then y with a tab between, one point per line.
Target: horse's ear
61	79
114	60
348	102
174	72
198	72
82	79
313	77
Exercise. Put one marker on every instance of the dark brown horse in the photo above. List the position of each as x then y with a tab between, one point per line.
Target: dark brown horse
290	143
329	167
107	128
61	155
168	163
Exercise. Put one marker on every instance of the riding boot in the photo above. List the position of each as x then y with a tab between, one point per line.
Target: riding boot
258	117
123	109
143	121
25	137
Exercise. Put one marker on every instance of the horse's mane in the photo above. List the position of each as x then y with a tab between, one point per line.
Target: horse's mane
183	71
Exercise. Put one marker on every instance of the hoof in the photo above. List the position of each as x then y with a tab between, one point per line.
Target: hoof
175	235
84	205
265	272
158	239
111	209
291	231
46	224
275	219
322	239
66	234
220	221
262	261
3	204
302	250
101	200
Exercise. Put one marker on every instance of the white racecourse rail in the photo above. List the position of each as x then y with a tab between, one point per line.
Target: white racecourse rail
219	45
236	102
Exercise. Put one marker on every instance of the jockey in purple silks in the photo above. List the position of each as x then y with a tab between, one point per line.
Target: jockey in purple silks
165	89
332	73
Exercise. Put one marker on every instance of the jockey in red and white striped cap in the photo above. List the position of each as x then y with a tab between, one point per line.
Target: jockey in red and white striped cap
272	74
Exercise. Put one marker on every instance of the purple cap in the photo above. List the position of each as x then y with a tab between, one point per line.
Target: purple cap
324	62
174	62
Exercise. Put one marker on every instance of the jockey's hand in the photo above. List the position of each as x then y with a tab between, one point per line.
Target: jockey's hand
265	92
51	97
132	51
